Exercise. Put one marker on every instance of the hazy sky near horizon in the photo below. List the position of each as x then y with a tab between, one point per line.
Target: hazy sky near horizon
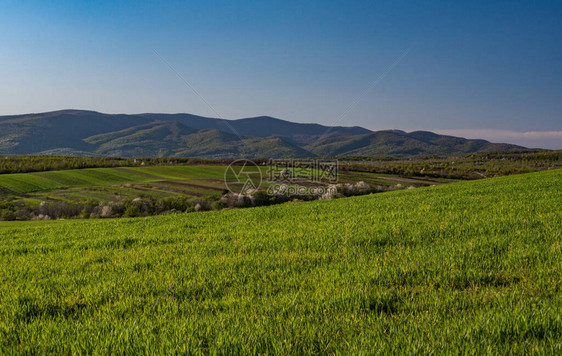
473	68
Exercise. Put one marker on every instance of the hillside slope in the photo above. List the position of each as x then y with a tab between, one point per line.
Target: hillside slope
471	267
400	143
76	132
86	132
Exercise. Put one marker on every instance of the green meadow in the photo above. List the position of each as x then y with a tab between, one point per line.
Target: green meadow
471	267
92	177
117	183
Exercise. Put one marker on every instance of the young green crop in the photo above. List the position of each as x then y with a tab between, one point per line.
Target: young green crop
84	186
471	267
47	181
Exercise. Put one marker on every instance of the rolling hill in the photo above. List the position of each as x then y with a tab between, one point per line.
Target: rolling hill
78	132
400	143
403	272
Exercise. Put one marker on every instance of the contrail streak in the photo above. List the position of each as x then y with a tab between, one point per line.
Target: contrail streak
366	91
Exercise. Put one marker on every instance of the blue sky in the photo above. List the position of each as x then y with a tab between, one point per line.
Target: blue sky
489	69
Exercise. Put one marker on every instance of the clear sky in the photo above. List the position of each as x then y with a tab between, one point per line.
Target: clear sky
489	69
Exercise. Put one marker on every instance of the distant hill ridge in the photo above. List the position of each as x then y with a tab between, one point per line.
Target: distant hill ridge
81	132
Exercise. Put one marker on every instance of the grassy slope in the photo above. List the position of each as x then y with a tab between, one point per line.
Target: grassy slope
472	266
45	181
110	184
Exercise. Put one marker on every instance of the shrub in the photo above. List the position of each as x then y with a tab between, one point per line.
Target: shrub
237	200
7	215
219	205
262	197
131	212
173	203
84	214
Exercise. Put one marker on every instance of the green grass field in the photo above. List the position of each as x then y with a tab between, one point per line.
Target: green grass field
471	267
114	184
91	177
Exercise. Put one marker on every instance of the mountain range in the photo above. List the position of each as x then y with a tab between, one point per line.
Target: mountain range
87	133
